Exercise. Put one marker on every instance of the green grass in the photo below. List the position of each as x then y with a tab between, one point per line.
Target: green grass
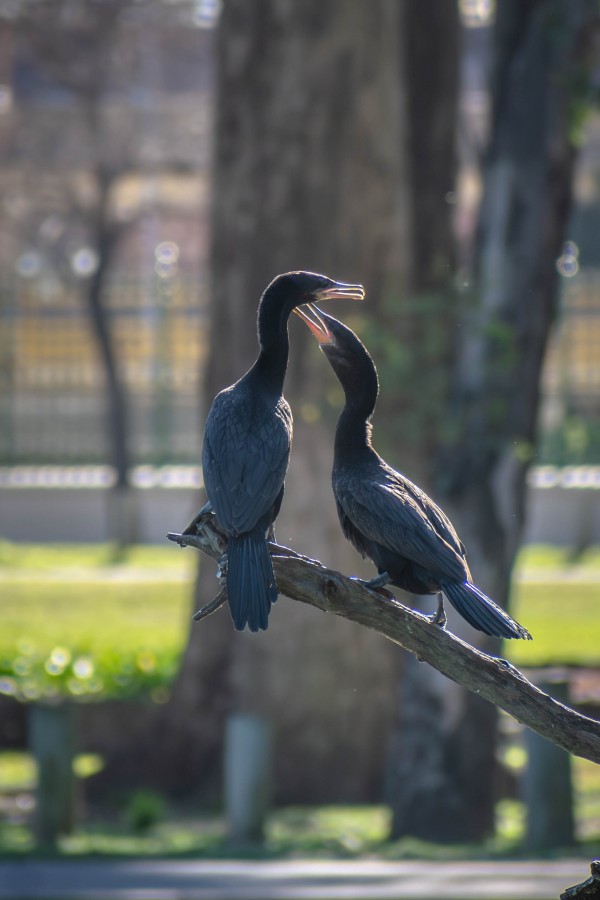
17	771
91	621
564	620
325	832
44	557
91	639
545	556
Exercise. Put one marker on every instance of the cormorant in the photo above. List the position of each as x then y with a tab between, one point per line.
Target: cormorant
385	516
247	441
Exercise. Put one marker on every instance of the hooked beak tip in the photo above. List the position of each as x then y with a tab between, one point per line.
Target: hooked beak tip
342	291
316	325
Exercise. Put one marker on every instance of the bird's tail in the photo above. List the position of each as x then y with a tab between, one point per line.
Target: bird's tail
251	587
481	612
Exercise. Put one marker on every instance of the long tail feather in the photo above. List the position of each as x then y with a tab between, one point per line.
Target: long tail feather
481	612
251	587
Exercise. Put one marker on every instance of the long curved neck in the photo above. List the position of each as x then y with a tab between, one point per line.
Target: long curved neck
271	364
353	431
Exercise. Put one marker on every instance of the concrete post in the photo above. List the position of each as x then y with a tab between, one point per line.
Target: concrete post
52	735
247	775
547	787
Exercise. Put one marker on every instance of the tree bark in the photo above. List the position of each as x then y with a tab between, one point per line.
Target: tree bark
501	341
492	678
308	174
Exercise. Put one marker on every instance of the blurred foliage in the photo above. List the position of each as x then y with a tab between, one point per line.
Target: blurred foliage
410	348
576	442
325	832
77	624
17	771
584	94
144	810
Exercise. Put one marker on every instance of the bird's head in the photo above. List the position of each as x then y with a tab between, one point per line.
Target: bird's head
296	288
347	355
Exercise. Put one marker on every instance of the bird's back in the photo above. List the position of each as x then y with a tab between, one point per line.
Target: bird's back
387	517
245	455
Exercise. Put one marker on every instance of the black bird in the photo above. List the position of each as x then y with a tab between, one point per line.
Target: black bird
385	516
247	441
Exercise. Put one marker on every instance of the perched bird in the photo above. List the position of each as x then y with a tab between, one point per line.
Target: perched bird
247	441
385	516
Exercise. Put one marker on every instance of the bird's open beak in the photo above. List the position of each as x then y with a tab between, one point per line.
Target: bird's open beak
342	291
315	323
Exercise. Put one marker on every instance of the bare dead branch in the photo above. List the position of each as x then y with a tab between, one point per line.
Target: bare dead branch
588	889
494	679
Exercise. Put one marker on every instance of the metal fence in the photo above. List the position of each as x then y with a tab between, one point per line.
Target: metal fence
53	405
53	401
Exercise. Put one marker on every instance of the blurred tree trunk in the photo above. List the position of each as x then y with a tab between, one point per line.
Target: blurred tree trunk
490	445
308	174
74	44
334	152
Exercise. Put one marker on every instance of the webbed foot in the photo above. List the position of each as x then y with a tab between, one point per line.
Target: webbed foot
439	617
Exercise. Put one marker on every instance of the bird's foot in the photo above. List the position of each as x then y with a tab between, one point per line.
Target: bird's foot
377	585
222	569
378	582
439	617
195	526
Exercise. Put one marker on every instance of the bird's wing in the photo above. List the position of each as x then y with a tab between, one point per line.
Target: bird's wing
386	512
441	523
244	460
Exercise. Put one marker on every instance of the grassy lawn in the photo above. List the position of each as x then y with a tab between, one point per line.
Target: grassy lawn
33	558
564	619
90	621
93	620
322	832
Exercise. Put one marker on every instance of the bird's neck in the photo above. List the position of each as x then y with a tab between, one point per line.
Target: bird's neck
353	431
271	364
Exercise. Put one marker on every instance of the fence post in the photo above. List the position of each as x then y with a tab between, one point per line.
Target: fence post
547	787
52	730
247	775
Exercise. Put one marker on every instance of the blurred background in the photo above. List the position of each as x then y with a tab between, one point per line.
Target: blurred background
162	161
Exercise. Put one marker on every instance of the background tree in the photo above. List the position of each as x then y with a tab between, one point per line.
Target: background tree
89	56
324	182
315	167
347	166
541	56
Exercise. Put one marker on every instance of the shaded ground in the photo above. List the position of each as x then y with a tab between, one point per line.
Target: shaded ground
236	880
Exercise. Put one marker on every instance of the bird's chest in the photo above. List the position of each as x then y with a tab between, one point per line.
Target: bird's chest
248	422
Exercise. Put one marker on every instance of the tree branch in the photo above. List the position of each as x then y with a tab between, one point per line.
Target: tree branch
494	679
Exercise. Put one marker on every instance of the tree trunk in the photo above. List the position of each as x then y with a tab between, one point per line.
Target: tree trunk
105	236
308	174
481	476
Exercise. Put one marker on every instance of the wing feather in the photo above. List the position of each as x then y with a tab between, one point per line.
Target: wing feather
399	516
245	458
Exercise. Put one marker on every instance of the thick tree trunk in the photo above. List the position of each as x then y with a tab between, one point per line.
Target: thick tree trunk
481	479
308	174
